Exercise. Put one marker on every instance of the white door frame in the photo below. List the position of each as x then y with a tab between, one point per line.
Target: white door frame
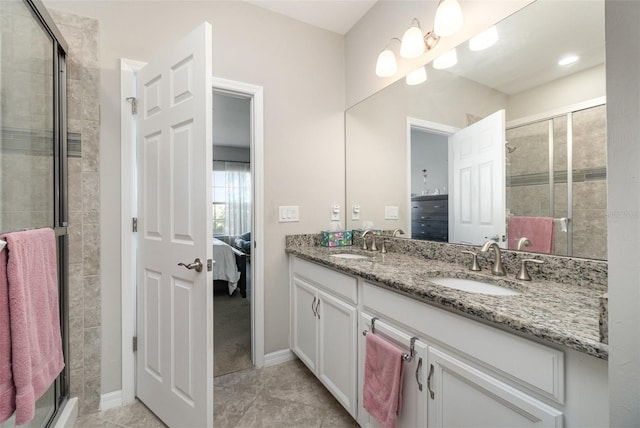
128	69
427	126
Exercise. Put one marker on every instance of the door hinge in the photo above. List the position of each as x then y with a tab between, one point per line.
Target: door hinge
134	224
135	343
134	104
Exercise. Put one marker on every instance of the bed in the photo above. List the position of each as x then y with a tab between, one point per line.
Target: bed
230	266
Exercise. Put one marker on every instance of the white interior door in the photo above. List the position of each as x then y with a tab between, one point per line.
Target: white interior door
477	182
174	364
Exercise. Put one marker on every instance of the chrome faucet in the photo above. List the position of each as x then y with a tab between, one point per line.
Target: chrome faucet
397	232
373	240
497	268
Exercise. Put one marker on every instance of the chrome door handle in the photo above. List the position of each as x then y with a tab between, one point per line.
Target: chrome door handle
197	265
312	307
431	393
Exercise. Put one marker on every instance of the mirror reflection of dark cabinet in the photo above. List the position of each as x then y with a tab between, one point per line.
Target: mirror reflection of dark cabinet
430	217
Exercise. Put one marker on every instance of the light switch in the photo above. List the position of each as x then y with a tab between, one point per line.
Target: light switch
391	213
288	213
355	212
335	212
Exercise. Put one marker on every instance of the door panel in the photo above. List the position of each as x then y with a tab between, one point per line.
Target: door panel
174	376
477	209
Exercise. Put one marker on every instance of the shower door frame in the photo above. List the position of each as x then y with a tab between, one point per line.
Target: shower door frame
567	112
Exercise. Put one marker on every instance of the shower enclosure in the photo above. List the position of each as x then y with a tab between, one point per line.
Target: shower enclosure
33	150
556	167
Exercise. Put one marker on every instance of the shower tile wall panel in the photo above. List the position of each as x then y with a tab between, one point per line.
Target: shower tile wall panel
83	76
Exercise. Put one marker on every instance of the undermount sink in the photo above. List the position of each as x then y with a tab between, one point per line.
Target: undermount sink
350	256
473	286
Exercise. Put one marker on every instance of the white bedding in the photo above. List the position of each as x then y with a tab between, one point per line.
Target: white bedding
225	267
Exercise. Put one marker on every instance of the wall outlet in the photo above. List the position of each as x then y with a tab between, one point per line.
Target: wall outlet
288	213
355	212
391	213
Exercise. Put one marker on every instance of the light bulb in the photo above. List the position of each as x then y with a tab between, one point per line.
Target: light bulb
386	65
446	60
484	40
412	43
448	18
416	77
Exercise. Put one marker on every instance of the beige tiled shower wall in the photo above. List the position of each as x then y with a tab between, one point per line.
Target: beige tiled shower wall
84	207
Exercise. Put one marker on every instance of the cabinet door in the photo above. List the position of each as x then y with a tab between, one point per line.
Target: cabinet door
303	324
465	396
337	328
413	412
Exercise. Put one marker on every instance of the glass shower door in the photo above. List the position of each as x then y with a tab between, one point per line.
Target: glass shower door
27	138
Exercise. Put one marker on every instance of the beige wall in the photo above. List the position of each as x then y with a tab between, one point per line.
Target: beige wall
390	18
302	71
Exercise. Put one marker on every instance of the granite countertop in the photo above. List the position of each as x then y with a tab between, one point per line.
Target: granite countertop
560	313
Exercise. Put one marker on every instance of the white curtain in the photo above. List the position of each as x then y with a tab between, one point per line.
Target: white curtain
238	197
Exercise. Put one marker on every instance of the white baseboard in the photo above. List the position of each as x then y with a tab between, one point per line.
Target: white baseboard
110	400
279	357
68	415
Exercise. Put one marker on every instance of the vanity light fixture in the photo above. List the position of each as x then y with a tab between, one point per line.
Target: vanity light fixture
448	20
446	60
417	76
386	66
568	60
484	40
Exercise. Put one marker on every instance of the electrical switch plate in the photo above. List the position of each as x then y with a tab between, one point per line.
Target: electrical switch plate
355	212
288	213
335	212
391	213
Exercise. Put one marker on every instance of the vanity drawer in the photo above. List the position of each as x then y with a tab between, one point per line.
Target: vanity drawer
524	362
338	284
429	208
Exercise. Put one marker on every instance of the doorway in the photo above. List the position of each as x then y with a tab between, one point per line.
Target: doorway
232	225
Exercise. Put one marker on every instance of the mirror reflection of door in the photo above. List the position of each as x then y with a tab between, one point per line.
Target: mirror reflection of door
477	182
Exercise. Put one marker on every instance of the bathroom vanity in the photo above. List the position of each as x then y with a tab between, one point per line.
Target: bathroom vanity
532	359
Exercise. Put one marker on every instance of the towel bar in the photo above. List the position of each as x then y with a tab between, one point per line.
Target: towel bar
412	346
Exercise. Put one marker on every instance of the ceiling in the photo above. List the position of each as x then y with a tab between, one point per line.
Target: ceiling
338	16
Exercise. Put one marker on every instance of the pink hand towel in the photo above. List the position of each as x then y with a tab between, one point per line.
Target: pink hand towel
7	390
382	380
34	316
539	231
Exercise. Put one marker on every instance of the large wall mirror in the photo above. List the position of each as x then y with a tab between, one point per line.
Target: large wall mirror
507	144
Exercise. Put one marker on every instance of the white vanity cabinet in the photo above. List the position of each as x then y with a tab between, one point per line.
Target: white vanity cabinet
461	395
324	325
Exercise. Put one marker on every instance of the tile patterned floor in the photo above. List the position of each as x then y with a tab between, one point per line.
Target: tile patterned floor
286	395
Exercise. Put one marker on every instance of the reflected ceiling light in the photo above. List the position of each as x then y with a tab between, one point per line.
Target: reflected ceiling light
417	76
448	18
568	60
386	65
484	40
446	60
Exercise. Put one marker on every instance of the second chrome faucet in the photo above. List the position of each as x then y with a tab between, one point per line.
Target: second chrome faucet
497	268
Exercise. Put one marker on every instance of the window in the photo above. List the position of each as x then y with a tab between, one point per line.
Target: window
231	198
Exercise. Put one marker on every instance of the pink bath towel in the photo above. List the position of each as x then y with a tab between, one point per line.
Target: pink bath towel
382	380
7	390
34	316
539	231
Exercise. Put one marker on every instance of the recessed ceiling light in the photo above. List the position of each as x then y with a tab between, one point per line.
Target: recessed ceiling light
568	60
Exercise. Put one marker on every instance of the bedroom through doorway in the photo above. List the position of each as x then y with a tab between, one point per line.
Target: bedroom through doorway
232	227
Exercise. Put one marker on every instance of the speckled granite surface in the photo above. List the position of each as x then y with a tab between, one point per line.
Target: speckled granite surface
560	305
